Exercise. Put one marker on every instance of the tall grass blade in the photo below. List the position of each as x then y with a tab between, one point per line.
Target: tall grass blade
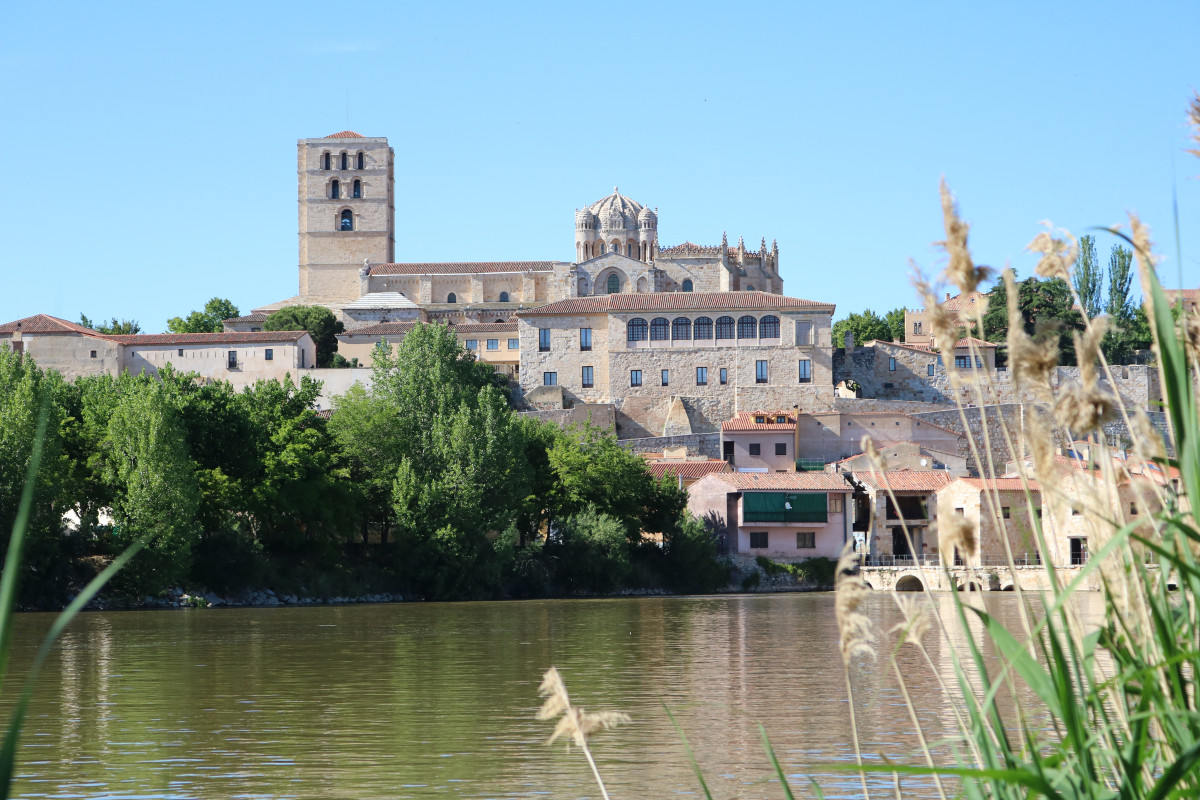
787	791
687	748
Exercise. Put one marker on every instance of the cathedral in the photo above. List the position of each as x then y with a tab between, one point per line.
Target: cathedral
347	253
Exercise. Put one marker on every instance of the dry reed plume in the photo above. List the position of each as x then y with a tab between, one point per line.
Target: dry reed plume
576	725
1058	254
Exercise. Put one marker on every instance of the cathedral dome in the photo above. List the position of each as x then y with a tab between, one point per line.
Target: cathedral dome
617	211
647	215
584	217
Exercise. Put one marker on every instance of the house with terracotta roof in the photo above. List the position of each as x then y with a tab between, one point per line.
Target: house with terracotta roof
791	515
965	307
760	441
1003	514
893	511
904	455
825	437
684	469
494	343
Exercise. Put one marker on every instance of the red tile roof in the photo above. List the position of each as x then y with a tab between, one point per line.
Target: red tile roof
796	481
462	267
245	337
904	480
44	323
687	470
346	135
486	327
677	301
744	421
257	316
962	302
971	340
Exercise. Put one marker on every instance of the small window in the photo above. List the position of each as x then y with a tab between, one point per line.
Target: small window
916	327
614	283
758	540
345	161
268	354
666	377
723	376
543	340
335	190
356	191
760	371
702	328
892	364
347	223
93	354
1074	512
325	163
635	330
1133	509
702	376
1006	512
233	359
504	297
962	362
781	448
514	344
755	449
806	540
760	420
587	378
962	512
362	161
687	284
836	504
452	298
472	344
660	329
635	377
805	370
929	370
493	344
549	379
180	353
585	338
780	419
804	333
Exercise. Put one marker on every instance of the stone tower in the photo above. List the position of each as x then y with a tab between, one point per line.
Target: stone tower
347	213
615	224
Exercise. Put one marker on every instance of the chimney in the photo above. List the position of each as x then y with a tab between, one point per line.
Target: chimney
849	340
947	296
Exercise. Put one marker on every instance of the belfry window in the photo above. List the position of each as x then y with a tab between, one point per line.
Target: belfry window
614	283
335	190
362	161
357	190
345	161
347	223
325	162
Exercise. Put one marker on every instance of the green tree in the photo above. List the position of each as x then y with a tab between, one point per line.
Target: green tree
1120	280
1089	278
591	550
1046	308
317	320
209	320
1128	328
865	327
114	327
895	323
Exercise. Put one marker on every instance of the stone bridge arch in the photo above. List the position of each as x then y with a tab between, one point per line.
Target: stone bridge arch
909	583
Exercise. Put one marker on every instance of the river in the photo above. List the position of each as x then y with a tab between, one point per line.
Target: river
438	700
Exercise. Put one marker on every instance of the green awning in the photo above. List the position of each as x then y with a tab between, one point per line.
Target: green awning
785	507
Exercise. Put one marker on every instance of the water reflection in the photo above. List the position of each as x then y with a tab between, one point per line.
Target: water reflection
438	700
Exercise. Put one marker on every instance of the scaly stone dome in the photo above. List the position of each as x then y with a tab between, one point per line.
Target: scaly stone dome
617	212
647	215
584	217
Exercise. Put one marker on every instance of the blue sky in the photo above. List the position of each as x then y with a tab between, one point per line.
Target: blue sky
152	162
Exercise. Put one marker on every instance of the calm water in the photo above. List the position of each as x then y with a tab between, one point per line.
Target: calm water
438	700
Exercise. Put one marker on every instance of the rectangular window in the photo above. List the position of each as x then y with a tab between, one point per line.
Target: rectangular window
803	333
758	540
587	377
514	344
962	512
836	505
268	354
666	378
702	376
724	376
301	358
1133	509
781	448
493	344
892	364
472	344
233	359
181	352
760	371
805	371
93	354
806	540
635	377
1006	512
585	338
543	340
929	370
962	362
549	379
978	363
916	327
755	449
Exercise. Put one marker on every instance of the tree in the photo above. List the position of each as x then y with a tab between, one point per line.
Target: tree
114	327
317	320
1089	278
1128	328
865	327
209	320
895	323
1120	279
1046	308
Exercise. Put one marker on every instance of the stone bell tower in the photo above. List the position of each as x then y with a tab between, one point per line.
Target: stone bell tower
347	204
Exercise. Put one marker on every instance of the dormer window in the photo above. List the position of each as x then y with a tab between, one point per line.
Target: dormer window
781	419
347	220
760	419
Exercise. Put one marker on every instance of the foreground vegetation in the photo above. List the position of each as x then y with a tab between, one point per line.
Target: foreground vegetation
427	485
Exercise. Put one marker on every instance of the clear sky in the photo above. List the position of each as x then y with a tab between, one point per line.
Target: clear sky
152	161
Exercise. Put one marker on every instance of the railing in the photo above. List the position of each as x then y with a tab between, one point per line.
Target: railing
902	561
810	465
785	516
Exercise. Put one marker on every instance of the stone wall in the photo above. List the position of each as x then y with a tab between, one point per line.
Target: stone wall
601	415
703	444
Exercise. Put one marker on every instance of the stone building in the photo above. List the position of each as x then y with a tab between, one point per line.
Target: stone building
965	307
492	343
998	510
893	511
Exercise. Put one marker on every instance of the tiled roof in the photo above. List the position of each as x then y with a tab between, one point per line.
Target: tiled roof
999	484
923	349
257	316
345	135
798	481
961	302
44	323
462	267
382	329
401	328
971	340
677	301
744	421
904	480
687	469
256	337
486	327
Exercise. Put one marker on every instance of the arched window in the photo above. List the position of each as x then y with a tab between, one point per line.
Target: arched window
504	297
615	247
659	329
335	190
635	330
614	283
747	327
345	161
450	298
703	328
357	190
347	223
725	327
681	329
768	328
499	322
325	162
362	161
750	288
687	284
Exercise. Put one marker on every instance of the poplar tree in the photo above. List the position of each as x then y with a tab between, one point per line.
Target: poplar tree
1089	278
